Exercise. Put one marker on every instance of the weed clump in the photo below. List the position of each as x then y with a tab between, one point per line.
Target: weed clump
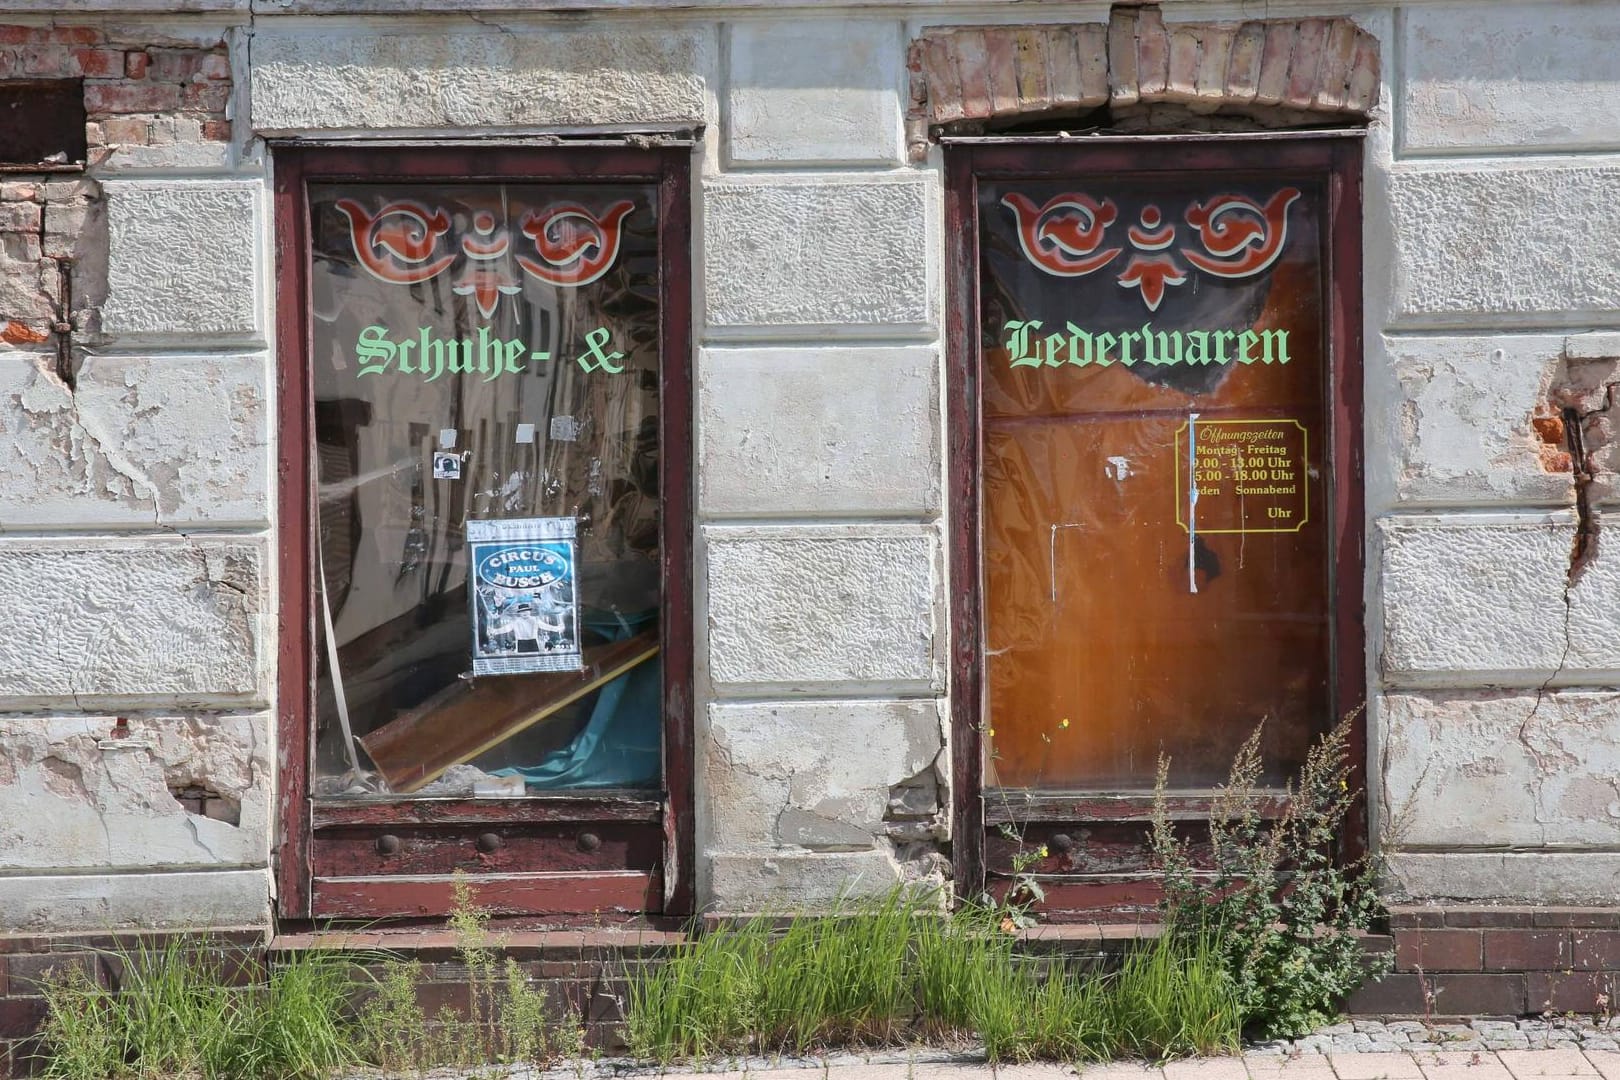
1284	911
177	1014
896	969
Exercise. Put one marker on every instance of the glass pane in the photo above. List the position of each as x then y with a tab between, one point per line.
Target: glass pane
1155	485
485	362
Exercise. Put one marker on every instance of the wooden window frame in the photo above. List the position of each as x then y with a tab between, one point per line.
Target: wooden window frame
296	166
1335	155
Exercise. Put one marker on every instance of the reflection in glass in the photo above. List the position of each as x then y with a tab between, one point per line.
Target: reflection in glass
485	362
1144	339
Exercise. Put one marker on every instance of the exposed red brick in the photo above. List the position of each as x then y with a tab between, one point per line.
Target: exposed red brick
206	96
1001	72
1182	82
1091	45
1274	60
217	130
175	65
1605	918
50	61
1558	991
16	35
1322	65
1595	950
126	131
126	97
1362	93
1478	994
1493	915
1338	60
944	85
1243	66
215	66
30	971
973	72
20	1017
1216	50
1438	950
16	333
99	63
1526	950
75	35
1032	70
136	63
1306	63
1152	52
1402	918
1123	74
1391	995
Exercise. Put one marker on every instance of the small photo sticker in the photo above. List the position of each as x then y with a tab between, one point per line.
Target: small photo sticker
446	466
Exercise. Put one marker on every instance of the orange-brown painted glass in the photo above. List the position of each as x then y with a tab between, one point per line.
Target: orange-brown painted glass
1155	489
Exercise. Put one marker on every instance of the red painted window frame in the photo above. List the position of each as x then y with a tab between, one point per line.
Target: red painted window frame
295	166
1337	155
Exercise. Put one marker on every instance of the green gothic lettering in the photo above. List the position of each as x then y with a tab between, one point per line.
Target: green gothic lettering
1027	347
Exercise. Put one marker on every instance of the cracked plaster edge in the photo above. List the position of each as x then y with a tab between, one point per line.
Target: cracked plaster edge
184	899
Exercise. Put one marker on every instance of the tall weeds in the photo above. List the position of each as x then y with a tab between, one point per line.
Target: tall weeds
179	1014
896	970
1285	910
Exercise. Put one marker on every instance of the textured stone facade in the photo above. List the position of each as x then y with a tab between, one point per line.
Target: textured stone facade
137	501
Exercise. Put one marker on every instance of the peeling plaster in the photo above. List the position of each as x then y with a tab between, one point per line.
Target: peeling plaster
111	800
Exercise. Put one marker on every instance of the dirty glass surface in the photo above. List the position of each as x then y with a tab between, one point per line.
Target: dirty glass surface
1155	534
485	370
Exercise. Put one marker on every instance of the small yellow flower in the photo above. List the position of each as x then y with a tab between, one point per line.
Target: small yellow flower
1344	785
1063	723
990	732
1044	852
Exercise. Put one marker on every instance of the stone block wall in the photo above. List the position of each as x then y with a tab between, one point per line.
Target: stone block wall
136	749
823	750
140	628
1492	365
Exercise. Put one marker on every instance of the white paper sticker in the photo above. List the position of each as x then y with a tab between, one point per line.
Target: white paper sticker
525	433
446	466
564	429
447	438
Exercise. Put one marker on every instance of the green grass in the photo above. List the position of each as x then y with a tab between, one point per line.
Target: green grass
896	970
883	972
177	1015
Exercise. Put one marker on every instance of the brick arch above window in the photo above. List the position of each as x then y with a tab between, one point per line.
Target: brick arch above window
1150	76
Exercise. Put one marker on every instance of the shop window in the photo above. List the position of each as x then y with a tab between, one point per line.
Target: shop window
492	537
42	124
1159	488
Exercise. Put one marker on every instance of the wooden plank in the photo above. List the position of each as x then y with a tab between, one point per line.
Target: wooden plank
589	892
471	716
675	523
639	806
1004	807
962	498
295	493
487	849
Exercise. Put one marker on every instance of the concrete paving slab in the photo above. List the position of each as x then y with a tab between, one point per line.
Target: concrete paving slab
1036	1070
1221	1068
1375	1066
1121	1070
1461	1065
1607	1062
1289	1067
1524	1064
